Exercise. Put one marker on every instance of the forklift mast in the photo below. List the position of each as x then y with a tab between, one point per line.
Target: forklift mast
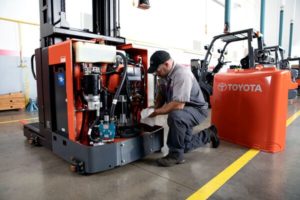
228	38
54	27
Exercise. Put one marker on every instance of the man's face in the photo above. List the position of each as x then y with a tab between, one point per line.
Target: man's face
162	70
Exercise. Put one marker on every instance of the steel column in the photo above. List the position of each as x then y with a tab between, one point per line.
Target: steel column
227	16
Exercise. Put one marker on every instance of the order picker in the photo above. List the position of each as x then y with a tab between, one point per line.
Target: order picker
91	88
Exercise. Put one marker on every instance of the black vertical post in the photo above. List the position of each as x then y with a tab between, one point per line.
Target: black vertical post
105	13
250	49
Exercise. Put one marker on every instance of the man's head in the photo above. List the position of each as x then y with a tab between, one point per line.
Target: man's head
160	63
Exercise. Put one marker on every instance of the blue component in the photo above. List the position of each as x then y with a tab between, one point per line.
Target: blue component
107	131
31	106
60	79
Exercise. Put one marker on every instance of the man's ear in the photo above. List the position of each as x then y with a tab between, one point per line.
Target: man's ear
168	64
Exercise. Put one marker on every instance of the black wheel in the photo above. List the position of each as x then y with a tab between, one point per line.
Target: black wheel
34	141
73	168
30	141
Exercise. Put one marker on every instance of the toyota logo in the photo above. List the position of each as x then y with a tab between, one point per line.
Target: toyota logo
222	87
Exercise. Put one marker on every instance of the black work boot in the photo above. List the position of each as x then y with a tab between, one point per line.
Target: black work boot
214	136
170	160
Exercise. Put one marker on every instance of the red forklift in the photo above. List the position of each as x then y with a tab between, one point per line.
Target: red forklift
91	88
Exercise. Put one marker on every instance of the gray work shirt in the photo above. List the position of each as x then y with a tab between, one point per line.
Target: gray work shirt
180	85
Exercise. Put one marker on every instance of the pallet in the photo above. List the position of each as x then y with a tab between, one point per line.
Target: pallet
12	101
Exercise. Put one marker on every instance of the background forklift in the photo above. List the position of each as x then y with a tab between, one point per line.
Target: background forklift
276	58
200	67
295	71
277	54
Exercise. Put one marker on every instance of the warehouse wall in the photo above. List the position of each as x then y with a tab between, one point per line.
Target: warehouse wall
18	40
272	24
165	25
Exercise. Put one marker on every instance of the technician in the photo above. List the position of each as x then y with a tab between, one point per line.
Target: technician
179	96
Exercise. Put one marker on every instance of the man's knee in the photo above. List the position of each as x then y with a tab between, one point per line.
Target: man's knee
174	116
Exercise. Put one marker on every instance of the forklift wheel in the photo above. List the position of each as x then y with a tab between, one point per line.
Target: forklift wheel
73	168
34	141
30	141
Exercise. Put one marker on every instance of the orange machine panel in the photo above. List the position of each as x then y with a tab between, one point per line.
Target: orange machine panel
249	107
61	53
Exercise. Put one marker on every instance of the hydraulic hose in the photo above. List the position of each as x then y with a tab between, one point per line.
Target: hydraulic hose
128	89
105	102
32	66
117	94
109	72
96	140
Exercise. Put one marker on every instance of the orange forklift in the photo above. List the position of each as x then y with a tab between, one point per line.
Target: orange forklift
248	101
91	89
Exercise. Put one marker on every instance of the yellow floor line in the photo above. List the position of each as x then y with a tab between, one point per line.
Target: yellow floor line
18	120
218	181
213	185
292	118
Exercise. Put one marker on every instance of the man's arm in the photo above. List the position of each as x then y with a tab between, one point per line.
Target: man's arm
167	108
159	100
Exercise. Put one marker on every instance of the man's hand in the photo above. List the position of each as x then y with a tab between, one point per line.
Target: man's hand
167	108
154	114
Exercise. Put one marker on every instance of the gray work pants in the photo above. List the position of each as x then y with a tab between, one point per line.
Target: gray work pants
180	136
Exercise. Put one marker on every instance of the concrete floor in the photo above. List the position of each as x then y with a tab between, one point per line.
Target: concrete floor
28	172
